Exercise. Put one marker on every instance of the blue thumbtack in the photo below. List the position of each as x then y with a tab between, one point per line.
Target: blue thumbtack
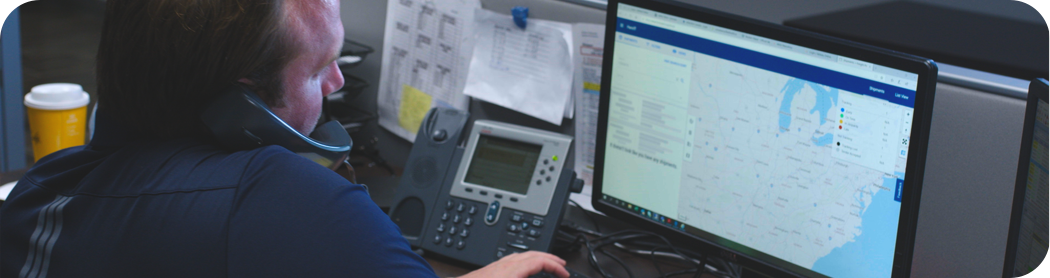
520	14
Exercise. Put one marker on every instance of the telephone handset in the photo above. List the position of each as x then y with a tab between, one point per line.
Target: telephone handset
240	120
495	190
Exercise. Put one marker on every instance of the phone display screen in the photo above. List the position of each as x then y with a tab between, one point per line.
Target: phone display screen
503	164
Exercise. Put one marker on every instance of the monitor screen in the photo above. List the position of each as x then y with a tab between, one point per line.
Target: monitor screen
503	164
789	155
1030	236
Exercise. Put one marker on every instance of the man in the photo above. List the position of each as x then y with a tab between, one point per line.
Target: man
153	196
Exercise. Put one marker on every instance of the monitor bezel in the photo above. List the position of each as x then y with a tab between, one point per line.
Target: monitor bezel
925	69
1037	91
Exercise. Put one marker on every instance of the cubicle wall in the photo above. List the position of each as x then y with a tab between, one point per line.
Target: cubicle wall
364	21
12	127
968	188
972	159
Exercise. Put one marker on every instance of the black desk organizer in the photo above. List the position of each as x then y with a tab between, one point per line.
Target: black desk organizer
341	106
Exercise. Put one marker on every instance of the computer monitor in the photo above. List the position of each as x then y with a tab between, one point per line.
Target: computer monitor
1028	241
788	152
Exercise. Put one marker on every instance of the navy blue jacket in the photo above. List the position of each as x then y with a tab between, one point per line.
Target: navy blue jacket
184	208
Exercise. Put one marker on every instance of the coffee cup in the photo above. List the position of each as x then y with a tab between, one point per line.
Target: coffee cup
57	117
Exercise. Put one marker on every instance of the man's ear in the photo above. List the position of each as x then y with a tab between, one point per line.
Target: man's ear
252	87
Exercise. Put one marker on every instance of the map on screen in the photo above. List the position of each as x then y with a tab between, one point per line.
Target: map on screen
801	161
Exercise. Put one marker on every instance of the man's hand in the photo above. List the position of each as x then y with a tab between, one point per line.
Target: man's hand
522	265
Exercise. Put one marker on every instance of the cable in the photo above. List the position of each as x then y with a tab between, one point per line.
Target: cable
573	236
573	227
594	260
617	260
652	257
566	242
588	214
714	264
680	272
652	252
625	235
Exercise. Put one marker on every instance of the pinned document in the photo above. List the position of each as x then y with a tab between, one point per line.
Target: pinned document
426	52
528	70
589	40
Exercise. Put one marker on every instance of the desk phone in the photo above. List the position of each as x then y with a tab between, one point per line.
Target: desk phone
502	192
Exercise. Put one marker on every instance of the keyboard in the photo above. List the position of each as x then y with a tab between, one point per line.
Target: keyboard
572	274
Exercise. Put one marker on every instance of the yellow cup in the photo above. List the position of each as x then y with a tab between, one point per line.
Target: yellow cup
57	117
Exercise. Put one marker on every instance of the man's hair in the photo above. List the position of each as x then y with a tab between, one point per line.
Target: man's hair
161	61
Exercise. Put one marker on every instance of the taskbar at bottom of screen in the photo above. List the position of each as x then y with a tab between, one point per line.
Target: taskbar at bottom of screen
646	213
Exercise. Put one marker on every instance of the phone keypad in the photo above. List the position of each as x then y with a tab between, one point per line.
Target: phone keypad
454	214
521	231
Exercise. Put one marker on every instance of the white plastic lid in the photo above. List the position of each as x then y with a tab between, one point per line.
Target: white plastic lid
57	96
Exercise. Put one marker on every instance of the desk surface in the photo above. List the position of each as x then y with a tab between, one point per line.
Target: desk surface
576	261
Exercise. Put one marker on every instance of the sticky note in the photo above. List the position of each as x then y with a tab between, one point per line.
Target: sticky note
592	86
414	106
